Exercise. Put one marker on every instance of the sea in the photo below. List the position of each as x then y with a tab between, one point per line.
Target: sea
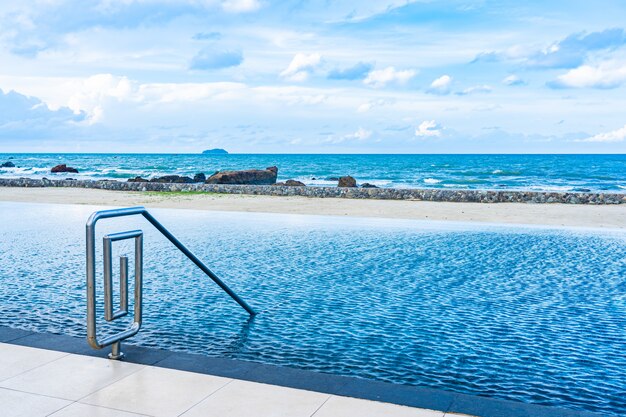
561	173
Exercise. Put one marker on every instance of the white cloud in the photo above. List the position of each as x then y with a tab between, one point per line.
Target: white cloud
370	104
607	75
365	107
428	128
360	11
380	78
291	95
441	85
512	80
618	135
94	90
360	134
241	6
187	92
475	90
95	94
301	66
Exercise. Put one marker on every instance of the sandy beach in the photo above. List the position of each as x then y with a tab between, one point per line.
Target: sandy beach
603	216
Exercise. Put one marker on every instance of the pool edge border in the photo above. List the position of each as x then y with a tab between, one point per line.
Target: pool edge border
412	396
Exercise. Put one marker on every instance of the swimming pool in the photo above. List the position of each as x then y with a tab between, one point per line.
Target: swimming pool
530	314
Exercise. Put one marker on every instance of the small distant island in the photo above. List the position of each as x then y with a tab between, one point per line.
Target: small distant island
215	151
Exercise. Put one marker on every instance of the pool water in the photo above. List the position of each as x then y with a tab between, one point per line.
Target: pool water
523	313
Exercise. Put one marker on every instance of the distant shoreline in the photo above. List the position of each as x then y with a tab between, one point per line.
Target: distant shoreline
541	173
458	196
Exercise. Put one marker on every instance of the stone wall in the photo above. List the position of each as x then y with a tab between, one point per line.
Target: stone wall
475	196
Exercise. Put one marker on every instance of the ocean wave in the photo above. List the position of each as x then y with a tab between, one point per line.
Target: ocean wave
551	188
505	172
431	181
513	172
468	181
332	183
318	182
378	183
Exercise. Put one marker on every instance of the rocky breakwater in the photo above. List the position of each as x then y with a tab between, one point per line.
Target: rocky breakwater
467	196
265	176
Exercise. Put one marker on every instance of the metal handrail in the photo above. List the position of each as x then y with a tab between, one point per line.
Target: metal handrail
91	276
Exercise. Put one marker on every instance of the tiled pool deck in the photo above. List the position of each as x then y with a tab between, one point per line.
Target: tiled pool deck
52	375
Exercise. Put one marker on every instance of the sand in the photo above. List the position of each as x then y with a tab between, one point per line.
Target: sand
601	216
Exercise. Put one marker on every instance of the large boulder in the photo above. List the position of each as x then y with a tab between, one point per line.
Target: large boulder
138	179
64	168
291	183
346	181
199	177
368	185
265	176
175	179
8	164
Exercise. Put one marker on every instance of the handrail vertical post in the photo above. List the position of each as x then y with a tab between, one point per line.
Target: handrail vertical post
91	285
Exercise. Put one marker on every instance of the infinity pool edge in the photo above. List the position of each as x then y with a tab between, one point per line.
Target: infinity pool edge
446	401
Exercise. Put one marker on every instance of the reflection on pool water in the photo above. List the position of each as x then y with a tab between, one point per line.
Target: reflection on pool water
530	314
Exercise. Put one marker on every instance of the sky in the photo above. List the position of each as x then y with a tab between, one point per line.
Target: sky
319	76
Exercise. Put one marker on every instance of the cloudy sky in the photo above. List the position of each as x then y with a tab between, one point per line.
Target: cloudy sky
319	76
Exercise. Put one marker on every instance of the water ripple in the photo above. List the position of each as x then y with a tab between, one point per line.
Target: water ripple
536	315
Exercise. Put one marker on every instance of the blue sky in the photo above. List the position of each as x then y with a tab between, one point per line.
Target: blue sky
387	76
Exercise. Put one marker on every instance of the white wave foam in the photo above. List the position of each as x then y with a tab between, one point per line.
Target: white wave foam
328	183
431	181
551	188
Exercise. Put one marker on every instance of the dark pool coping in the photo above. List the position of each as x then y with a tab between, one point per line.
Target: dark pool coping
296	378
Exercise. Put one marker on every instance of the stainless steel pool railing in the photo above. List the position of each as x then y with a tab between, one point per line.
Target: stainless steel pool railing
115	340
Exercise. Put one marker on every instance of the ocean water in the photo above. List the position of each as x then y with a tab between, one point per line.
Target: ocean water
583	173
521	313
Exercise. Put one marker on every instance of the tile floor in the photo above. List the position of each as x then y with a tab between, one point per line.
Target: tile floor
39	382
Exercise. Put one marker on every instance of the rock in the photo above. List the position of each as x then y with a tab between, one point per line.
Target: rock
138	179
8	164
346	181
200	177
368	185
64	168
265	176
215	151
291	183
172	179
